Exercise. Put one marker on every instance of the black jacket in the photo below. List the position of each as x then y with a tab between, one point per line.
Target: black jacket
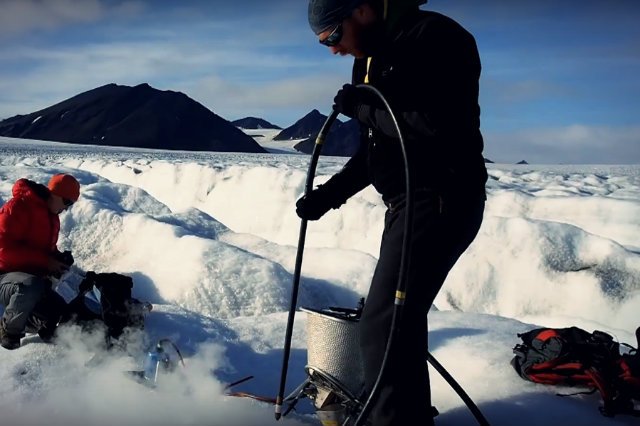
428	69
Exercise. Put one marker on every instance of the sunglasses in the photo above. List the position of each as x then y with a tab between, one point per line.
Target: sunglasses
67	202
334	38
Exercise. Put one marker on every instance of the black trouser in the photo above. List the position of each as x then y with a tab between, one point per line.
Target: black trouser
29	303
442	231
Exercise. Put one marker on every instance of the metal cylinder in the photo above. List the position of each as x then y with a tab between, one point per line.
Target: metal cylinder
333	348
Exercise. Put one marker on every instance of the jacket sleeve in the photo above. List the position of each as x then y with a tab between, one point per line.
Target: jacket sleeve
16	255
353	177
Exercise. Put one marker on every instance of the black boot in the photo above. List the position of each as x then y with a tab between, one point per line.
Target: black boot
47	334
9	341
45	329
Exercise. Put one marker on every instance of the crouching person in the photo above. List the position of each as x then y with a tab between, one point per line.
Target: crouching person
29	257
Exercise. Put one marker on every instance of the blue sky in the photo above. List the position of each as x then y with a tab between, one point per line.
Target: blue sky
560	79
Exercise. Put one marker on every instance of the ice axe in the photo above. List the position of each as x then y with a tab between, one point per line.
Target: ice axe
317	148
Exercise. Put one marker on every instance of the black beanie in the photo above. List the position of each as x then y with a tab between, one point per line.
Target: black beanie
324	14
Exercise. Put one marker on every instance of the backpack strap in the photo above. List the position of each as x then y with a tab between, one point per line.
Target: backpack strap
624	377
629	365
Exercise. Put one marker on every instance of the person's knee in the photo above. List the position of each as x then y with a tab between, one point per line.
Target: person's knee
372	334
34	288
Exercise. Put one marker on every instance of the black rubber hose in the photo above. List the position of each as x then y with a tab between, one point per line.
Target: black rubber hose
296	275
404	260
482	421
401	288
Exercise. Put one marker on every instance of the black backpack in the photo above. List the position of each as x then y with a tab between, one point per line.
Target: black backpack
574	357
118	309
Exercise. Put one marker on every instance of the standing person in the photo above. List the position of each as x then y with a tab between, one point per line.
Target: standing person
29	226
427	66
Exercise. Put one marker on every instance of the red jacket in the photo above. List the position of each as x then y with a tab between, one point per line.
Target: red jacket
28	230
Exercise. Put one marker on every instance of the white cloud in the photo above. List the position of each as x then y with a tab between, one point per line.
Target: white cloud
500	90
235	100
574	144
23	16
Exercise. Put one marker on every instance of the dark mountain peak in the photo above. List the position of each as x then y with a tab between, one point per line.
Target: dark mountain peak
315	116
522	162
343	140
486	160
254	123
308	126
139	116
144	86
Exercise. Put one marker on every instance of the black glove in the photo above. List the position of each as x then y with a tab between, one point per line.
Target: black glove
65	257
315	204
87	283
348	100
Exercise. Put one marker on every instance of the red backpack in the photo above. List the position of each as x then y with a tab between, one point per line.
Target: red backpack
574	357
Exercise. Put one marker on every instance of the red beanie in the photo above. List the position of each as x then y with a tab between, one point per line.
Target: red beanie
65	186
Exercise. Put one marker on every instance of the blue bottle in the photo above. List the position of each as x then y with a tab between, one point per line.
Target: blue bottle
152	364
158	362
